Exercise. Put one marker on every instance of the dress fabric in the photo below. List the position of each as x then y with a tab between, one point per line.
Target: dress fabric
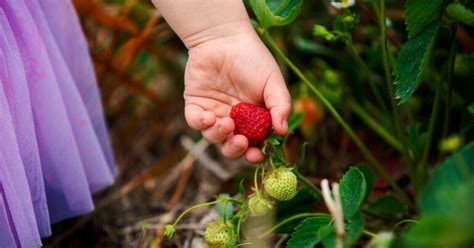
54	147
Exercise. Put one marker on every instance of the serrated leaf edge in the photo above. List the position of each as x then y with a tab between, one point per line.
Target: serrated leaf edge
300	226
411	32
423	65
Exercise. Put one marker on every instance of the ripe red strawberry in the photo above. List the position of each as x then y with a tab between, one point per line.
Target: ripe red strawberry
252	121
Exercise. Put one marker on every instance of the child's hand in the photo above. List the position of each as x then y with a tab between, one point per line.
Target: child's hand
224	71
228	64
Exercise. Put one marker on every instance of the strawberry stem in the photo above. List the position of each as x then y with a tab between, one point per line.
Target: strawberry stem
289	219
271	163
306	182
257	190
396	112
224	217
193	208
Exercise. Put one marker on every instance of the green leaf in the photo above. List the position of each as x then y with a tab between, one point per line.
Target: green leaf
224	210
306	234
328	235
353	187
242	187
272	13
276	149
436	230
369	176
420	13
458	202
450	174
446	206
413	61
388	207
274	140
294	122
353	229
460	13
303	202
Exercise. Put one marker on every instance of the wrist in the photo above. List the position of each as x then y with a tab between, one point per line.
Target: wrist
199	21
224	32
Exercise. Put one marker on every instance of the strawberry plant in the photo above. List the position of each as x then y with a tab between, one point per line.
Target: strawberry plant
422	195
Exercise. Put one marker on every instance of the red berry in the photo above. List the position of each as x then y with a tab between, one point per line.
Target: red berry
252	121
313	113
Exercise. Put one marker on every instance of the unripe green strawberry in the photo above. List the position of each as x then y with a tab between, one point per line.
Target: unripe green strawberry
259	206
281	184
220	235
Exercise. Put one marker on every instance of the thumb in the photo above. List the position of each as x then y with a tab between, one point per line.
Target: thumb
278	101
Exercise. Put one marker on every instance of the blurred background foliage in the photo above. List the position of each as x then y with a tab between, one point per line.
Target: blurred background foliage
140	63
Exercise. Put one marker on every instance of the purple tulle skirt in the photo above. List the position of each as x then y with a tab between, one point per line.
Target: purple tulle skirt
54	147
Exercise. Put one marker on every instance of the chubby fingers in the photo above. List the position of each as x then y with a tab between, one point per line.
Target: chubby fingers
220	131
198	118
234	146
254	156
217	133
278	101
280	116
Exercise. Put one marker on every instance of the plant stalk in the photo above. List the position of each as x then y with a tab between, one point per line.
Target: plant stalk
388	78
378	168
193	208
305	181
376	127
369	233
366	70
292	218
257	190
423	166
434	112
239	228
449	79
